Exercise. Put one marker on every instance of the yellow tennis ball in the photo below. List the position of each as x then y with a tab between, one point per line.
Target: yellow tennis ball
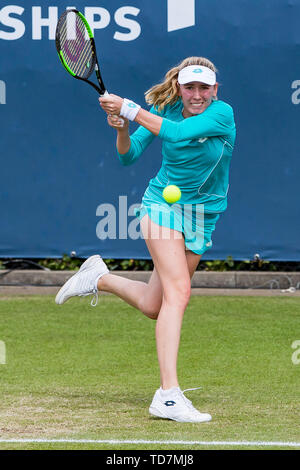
171	193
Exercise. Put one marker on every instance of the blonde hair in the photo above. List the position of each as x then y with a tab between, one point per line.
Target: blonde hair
167	92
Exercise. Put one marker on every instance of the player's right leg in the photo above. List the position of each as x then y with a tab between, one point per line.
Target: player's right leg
94	276
84	282
146	297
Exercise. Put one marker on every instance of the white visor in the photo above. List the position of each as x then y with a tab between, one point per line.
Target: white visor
196	73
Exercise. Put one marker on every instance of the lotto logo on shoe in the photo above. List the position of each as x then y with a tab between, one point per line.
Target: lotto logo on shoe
170	403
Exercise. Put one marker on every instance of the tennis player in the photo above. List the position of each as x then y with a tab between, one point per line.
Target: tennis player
198	135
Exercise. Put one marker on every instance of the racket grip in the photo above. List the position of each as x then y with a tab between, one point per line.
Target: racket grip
120	119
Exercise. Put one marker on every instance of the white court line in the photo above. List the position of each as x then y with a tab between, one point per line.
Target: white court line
141	441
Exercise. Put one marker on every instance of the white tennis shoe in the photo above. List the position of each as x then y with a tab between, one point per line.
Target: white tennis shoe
173	404
84	282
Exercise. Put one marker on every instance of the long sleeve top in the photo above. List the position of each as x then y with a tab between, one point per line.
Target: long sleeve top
196	153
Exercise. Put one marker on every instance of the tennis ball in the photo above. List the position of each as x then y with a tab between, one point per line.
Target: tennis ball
171	193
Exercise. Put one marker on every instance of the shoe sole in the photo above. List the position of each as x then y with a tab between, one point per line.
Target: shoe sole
159	414
84	267
156	412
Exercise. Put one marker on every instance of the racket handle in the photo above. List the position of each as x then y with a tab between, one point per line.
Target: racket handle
120	119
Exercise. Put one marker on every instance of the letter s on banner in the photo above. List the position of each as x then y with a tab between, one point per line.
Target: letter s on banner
133	26
17	25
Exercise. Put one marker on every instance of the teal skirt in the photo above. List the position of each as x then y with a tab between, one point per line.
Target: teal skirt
189	219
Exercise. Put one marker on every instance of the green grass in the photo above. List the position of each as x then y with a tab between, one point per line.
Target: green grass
77	372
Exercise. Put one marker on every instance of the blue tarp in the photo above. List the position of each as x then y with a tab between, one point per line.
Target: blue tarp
60	175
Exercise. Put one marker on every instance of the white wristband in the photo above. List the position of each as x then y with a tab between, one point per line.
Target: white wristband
129	109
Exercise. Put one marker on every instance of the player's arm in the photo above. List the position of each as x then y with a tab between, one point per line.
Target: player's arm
138	142
211	122
123	142
122	128
150	121
207	124
113	104
129	148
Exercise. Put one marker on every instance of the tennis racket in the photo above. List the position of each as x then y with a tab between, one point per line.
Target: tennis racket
76	49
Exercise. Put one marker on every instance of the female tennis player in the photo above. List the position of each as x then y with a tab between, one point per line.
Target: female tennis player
198	134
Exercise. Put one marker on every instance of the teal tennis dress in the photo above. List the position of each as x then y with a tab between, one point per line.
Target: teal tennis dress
196	155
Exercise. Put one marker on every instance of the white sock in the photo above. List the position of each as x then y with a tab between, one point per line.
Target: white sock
97	279
169	391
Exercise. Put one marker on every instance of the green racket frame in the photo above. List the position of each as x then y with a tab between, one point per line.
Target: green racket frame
101	89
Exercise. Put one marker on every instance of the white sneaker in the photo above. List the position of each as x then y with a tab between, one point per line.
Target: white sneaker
172	404
84	281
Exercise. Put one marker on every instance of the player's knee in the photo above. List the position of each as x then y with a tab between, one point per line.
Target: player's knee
185	294
151	310
153	315
178	293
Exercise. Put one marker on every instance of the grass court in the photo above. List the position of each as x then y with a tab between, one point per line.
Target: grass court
83	373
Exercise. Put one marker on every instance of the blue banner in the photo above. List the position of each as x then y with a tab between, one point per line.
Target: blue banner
60	175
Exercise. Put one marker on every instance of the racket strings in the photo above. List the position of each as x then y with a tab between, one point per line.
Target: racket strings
76	46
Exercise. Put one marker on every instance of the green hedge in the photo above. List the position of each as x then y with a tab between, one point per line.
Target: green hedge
71	263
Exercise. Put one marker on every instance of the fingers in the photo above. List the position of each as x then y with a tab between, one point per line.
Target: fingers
105	104
116	122
111	104
113	120
108	97
108	107
108	100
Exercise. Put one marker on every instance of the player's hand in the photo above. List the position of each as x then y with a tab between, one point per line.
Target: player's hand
117	123
111	104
